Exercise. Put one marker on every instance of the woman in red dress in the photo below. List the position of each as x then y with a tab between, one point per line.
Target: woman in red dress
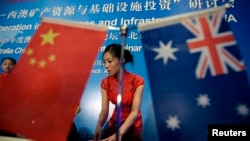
7	64
133	87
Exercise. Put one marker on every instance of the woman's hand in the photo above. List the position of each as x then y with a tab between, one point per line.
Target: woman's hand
98	133
113	138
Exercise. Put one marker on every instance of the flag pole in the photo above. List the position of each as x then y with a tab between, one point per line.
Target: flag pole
123	32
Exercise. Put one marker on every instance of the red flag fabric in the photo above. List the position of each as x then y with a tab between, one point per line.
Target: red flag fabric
40	97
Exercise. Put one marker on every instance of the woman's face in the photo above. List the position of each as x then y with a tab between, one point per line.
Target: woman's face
7	65
111	63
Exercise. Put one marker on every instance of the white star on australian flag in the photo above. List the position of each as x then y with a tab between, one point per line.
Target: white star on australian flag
173	122
165	52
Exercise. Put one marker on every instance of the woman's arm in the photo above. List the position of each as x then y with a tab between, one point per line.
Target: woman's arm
102	116
104	109
134	111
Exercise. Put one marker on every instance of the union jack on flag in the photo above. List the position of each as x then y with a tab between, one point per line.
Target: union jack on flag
212	44
196	74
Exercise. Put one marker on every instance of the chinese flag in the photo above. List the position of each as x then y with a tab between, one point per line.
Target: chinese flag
40	98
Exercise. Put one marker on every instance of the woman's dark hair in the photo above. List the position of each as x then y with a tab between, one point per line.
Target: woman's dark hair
12	59
115	50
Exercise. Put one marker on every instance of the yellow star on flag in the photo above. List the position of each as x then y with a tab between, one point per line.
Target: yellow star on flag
32	61
30	51
42	64
52	58
48	37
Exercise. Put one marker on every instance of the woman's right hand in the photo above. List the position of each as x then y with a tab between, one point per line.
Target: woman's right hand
98	133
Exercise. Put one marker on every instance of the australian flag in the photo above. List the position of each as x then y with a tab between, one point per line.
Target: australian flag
196	75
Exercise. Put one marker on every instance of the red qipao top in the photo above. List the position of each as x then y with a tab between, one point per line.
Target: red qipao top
3	77
130	83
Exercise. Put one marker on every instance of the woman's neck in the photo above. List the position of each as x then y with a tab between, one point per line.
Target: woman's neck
117	75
